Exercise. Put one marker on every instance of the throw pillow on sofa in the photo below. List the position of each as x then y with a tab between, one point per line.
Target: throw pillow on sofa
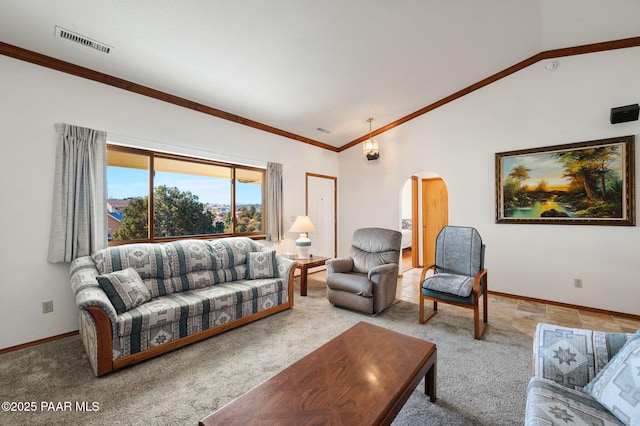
125	289
261	264
617	385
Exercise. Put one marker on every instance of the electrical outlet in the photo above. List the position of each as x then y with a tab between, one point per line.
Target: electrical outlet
47	306
577	282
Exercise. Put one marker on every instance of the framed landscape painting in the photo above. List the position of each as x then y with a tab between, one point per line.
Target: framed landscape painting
585	183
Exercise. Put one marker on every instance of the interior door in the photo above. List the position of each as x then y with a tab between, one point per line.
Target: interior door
435	215
321	209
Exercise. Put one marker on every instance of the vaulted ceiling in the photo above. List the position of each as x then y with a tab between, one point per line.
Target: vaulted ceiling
302	65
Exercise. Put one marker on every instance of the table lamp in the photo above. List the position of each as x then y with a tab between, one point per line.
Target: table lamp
304	225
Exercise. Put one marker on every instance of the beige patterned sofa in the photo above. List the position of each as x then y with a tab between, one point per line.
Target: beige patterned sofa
584	377
138	301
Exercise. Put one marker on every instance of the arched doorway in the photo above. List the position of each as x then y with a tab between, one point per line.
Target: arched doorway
424	211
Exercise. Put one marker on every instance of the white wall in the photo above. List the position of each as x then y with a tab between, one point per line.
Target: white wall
33	99
529	109
458	141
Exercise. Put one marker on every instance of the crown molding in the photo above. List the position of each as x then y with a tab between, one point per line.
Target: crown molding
548	54
78	71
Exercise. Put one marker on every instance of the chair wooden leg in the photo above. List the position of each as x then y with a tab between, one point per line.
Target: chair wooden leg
477	334
424	318
476	320
486	293
480	327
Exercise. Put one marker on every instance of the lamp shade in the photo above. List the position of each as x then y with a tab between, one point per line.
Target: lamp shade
370	146
302	224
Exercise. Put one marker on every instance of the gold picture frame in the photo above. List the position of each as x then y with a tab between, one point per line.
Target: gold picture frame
584	183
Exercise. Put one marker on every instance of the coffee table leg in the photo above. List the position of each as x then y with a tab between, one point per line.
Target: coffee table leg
430	382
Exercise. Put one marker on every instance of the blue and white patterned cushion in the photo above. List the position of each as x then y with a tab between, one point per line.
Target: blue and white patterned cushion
151	262
617	385
190	256
178	315
125	289
457	285
553	404
573	356
261	264
231	252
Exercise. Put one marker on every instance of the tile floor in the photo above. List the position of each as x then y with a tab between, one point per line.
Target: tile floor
524	314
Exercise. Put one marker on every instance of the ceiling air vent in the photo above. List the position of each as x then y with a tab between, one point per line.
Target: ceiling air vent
70	35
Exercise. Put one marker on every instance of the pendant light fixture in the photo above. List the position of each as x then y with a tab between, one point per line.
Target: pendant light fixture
370	146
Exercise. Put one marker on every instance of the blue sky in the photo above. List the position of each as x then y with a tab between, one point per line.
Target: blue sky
128	182
540	167
545	166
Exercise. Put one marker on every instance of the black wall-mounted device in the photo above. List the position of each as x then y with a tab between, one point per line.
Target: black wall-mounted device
624	113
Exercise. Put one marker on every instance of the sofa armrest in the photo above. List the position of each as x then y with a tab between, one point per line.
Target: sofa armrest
341	265
573	356
83	273
284	266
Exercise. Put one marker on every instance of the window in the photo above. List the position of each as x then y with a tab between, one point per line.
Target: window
157	196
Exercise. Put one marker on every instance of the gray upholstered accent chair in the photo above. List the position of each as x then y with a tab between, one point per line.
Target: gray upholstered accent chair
459	277
366	281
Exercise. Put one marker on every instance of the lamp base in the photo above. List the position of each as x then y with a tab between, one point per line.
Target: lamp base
303	244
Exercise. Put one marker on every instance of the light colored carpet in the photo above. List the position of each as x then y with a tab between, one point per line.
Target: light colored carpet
478	382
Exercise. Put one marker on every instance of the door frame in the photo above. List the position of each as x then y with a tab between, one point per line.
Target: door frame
415	220
335	204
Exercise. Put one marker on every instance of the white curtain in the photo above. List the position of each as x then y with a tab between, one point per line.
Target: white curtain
275	220
79	217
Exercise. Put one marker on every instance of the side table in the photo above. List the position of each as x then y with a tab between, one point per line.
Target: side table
304	265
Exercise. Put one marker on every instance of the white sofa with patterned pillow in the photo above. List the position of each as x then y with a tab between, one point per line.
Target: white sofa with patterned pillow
584	377
138	301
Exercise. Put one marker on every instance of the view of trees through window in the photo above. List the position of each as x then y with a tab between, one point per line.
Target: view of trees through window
189	197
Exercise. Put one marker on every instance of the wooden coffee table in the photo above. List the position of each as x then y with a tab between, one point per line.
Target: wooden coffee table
363	376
